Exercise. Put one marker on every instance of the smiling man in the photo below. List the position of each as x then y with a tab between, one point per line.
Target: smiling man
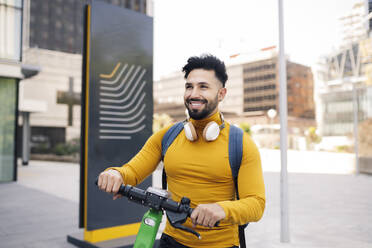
197	165
203	92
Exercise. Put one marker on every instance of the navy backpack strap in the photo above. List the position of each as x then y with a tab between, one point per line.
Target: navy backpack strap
235	152
167	140
235	159
169	137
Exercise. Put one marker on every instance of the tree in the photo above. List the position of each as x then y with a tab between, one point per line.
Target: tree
365	138
246	127
312	137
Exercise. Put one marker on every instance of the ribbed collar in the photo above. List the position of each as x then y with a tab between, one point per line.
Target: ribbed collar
200	124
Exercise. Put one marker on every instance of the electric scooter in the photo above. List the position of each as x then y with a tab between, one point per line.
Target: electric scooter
158	200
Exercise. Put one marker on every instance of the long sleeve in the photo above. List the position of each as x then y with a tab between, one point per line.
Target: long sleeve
251	188
145	161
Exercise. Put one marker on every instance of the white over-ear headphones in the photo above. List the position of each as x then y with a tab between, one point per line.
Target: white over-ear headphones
210	132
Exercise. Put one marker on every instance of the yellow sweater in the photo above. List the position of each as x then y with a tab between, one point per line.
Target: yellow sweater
200	170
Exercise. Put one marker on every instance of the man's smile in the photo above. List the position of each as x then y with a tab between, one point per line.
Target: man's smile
196	104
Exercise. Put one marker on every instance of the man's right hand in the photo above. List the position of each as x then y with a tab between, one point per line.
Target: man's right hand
110	182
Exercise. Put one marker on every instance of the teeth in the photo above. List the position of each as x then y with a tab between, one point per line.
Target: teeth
196	103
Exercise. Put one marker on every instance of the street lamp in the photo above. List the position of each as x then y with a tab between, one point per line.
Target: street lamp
271	113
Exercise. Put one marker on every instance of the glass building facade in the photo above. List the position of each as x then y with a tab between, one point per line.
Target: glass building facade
338	113
338	110
8	103
349	67
58	25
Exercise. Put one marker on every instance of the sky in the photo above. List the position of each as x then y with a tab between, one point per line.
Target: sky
184	28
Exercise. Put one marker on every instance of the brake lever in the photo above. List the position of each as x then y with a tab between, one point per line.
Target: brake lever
177	219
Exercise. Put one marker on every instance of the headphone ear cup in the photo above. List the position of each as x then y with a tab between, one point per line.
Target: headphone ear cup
190	132
211	131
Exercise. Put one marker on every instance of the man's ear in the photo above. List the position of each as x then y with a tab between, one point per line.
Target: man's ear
221	94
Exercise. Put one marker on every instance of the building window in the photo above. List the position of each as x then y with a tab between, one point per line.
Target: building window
260	108
10	29
260	98
259	88
63	19
259	78
260	68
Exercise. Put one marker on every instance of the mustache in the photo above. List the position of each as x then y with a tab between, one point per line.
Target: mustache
195	99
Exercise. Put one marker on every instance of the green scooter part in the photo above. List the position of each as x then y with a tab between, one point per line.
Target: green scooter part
148	229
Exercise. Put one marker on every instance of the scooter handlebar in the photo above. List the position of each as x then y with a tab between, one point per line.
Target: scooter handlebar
157	199
154	200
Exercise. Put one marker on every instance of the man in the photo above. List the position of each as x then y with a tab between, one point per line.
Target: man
200	169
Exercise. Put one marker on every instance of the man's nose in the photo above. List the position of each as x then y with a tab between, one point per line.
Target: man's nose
195	93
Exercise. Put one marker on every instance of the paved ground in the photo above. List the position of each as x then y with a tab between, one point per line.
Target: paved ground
325	211
34	219
329	207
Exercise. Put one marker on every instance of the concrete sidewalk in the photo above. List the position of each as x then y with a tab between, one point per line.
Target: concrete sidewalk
326	210
34	219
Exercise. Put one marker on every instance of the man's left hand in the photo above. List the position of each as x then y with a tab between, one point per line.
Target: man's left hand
207	215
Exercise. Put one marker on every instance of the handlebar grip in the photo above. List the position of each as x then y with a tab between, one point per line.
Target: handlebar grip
121	189
190	212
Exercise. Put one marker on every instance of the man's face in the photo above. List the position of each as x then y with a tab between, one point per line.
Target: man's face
203	92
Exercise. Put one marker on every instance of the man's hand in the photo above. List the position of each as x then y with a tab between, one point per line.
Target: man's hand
207	215
110	182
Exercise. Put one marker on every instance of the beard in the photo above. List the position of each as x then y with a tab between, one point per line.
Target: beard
197	114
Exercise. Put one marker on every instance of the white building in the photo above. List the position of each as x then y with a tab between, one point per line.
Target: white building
355	25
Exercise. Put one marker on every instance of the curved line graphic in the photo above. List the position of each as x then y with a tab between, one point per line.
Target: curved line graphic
124	125
125	88
125	79
124	106
122	83
121	113
123	131
112	73
126	97
117	78
115	137
124	119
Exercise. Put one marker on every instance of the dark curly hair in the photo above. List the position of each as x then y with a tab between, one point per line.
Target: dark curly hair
207	62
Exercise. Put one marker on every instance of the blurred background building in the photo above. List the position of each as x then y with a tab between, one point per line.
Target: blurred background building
355	24
344	89
344	70
253	90
53	39
40	83
41	46
12	70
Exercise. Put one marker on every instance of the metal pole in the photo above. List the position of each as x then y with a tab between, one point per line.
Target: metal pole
26	138
284	215
356	141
